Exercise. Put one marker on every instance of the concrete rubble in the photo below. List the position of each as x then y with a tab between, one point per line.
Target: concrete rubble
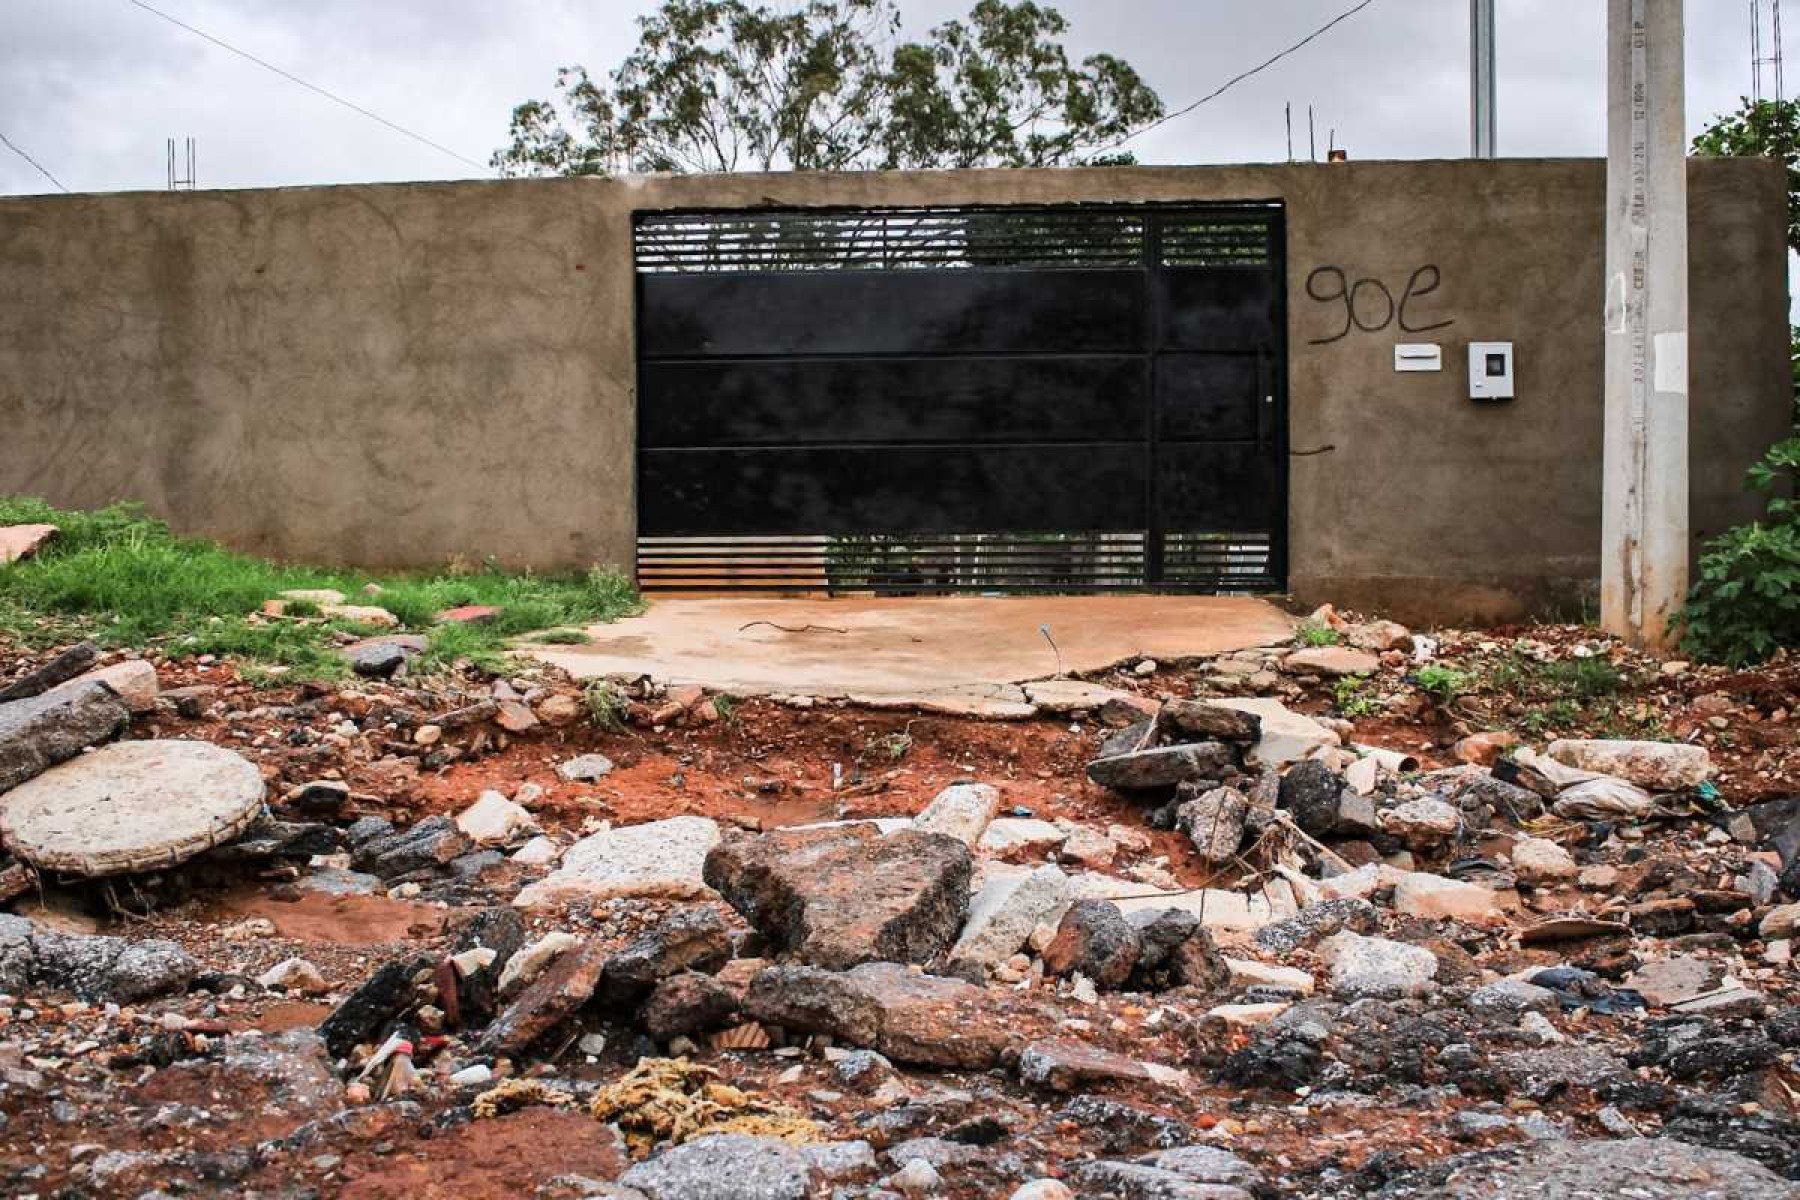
1188	934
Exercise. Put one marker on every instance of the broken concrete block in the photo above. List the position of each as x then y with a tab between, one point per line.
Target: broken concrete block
1163	766
1419	894
838	896
1005	911
660	859
38	732
1656	766
961	811
1377	969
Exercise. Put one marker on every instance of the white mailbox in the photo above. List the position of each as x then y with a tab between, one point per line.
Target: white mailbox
1490	370
1418	356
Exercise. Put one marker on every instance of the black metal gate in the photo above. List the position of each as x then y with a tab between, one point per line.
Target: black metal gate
934	399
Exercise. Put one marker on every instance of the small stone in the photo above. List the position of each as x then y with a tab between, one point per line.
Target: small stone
294	975
1423	823
1781	922
1541	861
540	851
585	768
514	716
529	962
1214	821
470	614
1598	878
1483	749
916	1178
360	614
1376	968
493	820
1672	980
22	541
727	1166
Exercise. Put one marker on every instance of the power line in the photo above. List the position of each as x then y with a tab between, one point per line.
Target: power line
34	162
293	78
1321	31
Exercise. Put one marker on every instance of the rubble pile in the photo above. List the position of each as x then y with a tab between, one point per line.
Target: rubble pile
1200	938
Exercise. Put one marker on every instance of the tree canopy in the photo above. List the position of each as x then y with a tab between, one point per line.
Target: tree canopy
1762	128
727	85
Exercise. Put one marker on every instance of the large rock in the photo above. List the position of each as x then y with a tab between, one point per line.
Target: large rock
1321	804
1659	1168
1067	1065
725	1166
1375	968
660	860
22	541
1008	907
1331	660
1211	720
1423	823
380	849
1163	766
842	895
1422	894
360	1016
1097	941
1541	861
1140	1181
908	1016
1287	736
961	811
1658	766
133	681
687	1003
1214	822
132	806
97	969
1317	922
1020	835
566	985
38	732
693	939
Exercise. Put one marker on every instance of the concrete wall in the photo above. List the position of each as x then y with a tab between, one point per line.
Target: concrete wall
401	375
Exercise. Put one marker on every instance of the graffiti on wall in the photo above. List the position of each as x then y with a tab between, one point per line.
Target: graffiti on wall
1368	304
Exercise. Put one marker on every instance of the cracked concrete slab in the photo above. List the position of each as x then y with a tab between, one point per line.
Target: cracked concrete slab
953	654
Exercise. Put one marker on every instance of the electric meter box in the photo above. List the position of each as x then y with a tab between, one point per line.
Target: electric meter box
1490	370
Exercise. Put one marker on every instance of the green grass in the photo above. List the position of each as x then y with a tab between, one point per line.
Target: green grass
123	579
1353	698
1311	634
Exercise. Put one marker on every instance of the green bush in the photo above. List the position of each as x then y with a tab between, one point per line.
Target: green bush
1746	603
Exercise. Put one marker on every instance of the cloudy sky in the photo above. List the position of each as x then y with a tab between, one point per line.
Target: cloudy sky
92	88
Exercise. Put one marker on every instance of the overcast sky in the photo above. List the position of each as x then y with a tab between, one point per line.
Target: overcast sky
92	88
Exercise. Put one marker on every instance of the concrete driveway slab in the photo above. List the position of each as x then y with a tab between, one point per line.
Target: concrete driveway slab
961	654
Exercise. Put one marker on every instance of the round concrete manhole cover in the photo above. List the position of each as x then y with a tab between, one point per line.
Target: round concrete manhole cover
131	806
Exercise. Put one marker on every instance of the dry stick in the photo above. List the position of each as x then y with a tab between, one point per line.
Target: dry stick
1287	822
792	629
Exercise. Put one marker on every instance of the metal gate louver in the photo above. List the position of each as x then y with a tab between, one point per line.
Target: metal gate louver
919	400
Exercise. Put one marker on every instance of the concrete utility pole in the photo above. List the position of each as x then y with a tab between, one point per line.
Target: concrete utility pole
1644	519
1482	123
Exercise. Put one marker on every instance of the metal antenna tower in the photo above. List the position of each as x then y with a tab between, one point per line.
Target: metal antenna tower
184	180
1765	54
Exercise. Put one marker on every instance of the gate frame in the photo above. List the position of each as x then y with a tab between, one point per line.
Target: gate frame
1273	366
